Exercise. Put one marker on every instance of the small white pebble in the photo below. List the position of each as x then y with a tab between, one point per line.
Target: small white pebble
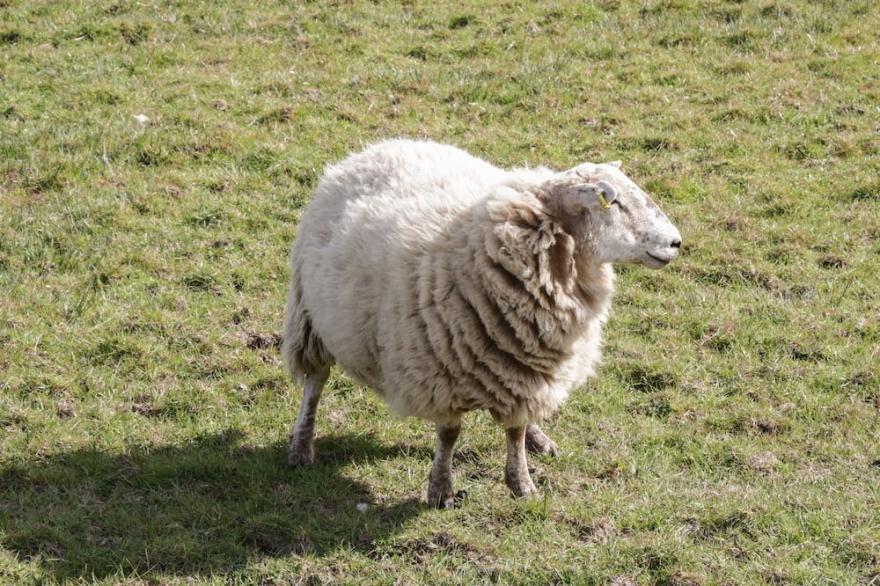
362	507
141	118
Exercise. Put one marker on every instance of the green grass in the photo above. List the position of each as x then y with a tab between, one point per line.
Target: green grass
733	435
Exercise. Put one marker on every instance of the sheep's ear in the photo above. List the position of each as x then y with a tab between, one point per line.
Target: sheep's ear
605	191
617	164
601	192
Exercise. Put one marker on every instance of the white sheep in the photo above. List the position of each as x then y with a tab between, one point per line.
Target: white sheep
448	285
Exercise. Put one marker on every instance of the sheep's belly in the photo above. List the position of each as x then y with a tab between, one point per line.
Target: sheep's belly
440	396
524	406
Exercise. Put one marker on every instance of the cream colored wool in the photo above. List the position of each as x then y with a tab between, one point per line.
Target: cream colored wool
448	285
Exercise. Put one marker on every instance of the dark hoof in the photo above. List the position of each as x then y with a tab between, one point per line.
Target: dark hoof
525	491
520	485
538	443
440	495
299	456
441	501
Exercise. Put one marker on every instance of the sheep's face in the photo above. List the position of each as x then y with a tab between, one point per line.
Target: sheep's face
616	220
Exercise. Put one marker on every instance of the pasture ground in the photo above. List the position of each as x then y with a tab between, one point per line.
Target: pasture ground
155	157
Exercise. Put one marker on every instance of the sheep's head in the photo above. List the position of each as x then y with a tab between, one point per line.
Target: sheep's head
612	218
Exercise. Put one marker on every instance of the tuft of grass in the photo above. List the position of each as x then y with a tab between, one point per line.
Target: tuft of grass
154	163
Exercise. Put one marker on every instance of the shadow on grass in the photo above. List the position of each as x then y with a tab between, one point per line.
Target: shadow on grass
205	507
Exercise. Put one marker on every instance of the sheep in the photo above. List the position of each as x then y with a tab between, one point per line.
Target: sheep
449	285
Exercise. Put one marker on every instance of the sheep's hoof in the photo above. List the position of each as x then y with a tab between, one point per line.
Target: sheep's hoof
521	486
524	491
537	442
301	455
440	495
441	501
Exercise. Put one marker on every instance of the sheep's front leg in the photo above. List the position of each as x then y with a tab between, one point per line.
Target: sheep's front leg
440	493
302	440
537	441
516	475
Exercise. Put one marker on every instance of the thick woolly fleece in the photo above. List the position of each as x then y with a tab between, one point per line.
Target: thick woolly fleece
446	284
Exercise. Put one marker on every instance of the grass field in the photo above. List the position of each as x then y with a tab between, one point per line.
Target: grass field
155	158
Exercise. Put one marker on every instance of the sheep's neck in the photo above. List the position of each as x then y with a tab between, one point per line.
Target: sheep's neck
554	314
594	283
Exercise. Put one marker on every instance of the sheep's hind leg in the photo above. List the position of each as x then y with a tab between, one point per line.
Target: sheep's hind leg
440	493
516	474
302	440
537	442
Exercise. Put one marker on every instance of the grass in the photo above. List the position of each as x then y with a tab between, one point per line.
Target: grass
155	158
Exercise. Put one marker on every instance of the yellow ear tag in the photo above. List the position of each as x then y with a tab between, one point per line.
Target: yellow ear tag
602	201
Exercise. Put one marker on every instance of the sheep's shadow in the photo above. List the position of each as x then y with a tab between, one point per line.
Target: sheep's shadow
201	508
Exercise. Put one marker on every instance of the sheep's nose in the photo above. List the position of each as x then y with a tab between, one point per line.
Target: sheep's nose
676	243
